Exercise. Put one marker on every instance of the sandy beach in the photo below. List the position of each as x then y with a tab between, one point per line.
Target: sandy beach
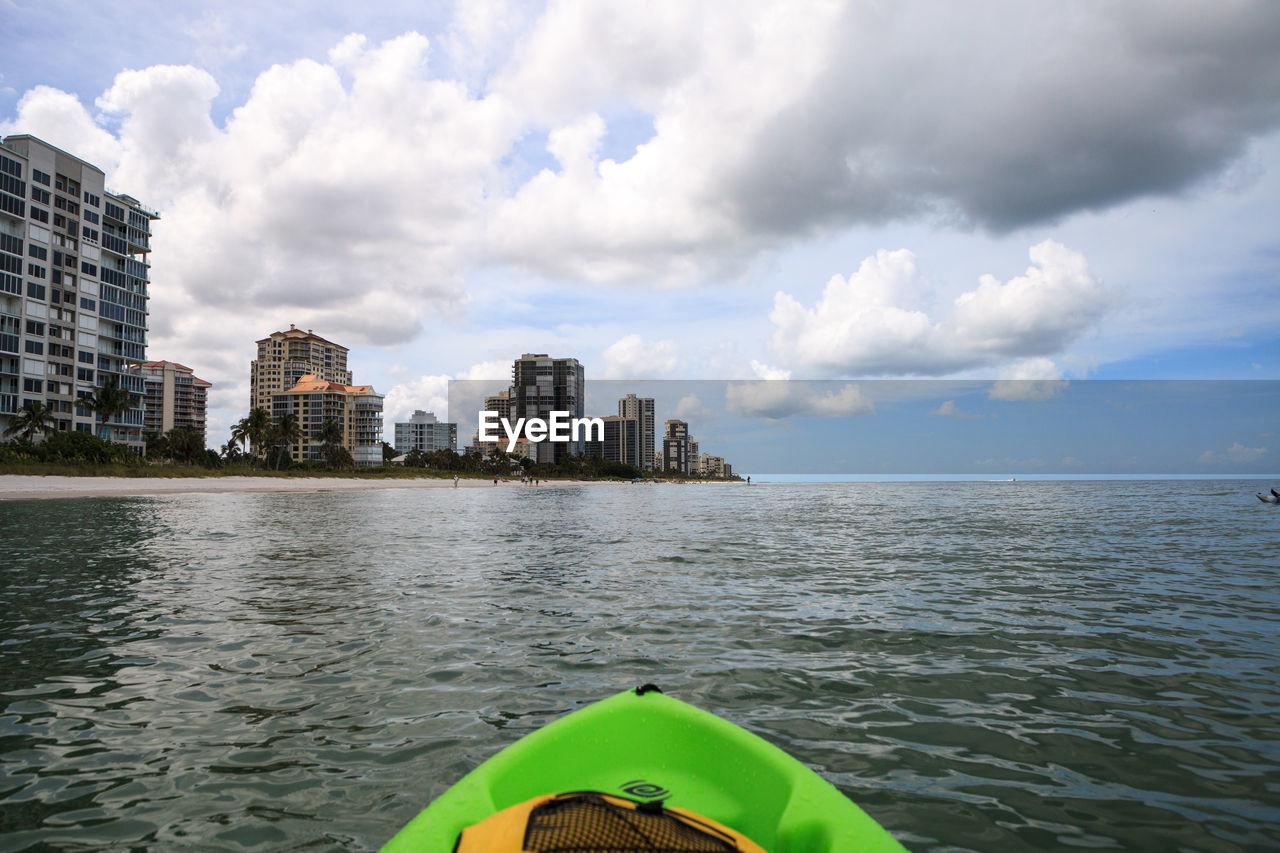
28	487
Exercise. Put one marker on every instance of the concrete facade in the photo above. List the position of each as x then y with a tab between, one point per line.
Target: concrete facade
175	397
424	432
285	357
74	287
356	407
641	410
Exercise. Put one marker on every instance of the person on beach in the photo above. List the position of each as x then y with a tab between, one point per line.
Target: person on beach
455	481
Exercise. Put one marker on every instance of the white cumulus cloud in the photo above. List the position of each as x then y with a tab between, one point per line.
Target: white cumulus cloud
429	393
860	325
1032	379
949	409
1236	454
631	357
784	398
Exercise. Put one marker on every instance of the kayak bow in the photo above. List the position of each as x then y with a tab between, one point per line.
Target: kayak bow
640	754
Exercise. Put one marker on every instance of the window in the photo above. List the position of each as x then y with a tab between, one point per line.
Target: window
88	304
91	199
35	271
35	347
85	357
37	252
35	291
39	177
10	167
84	374
90	216
15	206
35	327
88	268
39	195
35	386
10	184
39	214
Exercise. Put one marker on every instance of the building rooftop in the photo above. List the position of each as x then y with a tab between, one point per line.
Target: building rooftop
11	142
294	333
160	365
312	384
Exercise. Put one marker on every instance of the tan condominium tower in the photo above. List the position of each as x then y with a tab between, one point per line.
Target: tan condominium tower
285	357
175	397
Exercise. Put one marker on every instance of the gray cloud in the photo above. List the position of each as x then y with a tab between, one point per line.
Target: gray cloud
1003	115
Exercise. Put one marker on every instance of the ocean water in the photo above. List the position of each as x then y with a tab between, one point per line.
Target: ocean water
981	666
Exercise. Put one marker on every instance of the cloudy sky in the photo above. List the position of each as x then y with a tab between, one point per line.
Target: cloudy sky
1004	190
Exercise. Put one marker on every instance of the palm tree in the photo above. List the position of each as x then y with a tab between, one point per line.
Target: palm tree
239	435
108	401
186	443
331	432
287	432
34	418
332	442
256	429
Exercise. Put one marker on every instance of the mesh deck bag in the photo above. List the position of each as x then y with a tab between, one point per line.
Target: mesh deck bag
590	822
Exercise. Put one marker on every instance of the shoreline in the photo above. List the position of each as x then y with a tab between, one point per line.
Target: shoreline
52	486
44	487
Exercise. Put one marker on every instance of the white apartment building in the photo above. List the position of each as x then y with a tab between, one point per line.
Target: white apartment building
74	281
424	432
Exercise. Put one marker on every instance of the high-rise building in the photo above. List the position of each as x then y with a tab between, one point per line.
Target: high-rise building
74	283
541	385
621	441
640	409
675	446
357	408
175	397
711	466
285	357
500	403
423	432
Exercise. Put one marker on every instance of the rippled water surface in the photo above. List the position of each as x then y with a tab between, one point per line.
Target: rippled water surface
985	666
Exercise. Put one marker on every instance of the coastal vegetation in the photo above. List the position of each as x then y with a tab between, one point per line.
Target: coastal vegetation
260	447
180	453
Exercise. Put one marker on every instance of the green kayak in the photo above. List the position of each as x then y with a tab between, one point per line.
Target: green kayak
642	764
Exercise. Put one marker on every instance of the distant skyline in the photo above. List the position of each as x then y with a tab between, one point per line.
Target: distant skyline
1037	191
955	427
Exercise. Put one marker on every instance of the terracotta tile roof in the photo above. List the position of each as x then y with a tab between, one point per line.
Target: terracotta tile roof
311	384
296	334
